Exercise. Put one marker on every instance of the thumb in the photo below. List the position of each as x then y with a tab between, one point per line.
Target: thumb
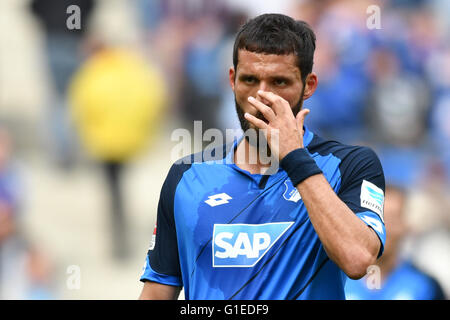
300	118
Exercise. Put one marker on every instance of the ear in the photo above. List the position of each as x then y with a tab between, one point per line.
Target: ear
311	83
232	77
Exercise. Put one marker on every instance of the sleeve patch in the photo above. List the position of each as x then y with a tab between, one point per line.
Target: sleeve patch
372	198
153	241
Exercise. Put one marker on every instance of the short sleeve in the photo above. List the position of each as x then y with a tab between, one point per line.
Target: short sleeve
162	261
362	189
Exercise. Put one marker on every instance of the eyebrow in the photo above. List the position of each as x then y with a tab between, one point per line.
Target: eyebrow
276	76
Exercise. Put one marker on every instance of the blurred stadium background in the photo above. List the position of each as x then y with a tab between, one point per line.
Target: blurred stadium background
388	88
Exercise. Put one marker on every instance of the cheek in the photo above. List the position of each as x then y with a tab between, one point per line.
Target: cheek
241	94
291	95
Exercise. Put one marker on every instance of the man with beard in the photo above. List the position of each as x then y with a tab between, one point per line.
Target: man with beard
229	229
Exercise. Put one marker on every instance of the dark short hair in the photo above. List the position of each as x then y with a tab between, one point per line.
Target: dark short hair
277	34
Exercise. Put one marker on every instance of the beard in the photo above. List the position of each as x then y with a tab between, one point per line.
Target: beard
245	125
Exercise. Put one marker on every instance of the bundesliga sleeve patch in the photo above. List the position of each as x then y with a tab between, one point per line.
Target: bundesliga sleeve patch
372	198
153	241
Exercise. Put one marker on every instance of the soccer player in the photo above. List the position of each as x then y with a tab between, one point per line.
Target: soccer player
229	230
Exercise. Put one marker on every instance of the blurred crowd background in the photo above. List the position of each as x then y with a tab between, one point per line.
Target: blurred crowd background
86	116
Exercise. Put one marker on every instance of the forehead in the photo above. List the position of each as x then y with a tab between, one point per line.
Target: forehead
252	62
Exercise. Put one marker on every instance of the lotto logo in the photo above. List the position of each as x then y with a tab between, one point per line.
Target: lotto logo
218	199
243	245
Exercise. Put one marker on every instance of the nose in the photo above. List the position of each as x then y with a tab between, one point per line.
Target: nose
264	87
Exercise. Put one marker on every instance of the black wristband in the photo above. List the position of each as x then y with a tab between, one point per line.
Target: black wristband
299	165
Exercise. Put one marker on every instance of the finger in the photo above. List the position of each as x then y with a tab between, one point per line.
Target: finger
254	120
301	115
278	104
265	110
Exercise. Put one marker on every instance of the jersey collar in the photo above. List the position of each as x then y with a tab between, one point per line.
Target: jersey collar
307	138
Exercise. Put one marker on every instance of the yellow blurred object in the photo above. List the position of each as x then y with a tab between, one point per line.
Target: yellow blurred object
116	100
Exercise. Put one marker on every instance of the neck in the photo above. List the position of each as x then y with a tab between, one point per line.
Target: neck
249	158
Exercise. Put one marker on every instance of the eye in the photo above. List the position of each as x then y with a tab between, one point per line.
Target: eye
280	82
249	79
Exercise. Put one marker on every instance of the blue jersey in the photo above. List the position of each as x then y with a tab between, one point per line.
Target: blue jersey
405	282
223	233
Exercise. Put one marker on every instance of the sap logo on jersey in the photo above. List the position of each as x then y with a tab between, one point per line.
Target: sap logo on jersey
243	245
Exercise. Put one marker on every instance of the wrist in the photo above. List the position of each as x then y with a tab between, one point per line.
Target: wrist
299	165
283	154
